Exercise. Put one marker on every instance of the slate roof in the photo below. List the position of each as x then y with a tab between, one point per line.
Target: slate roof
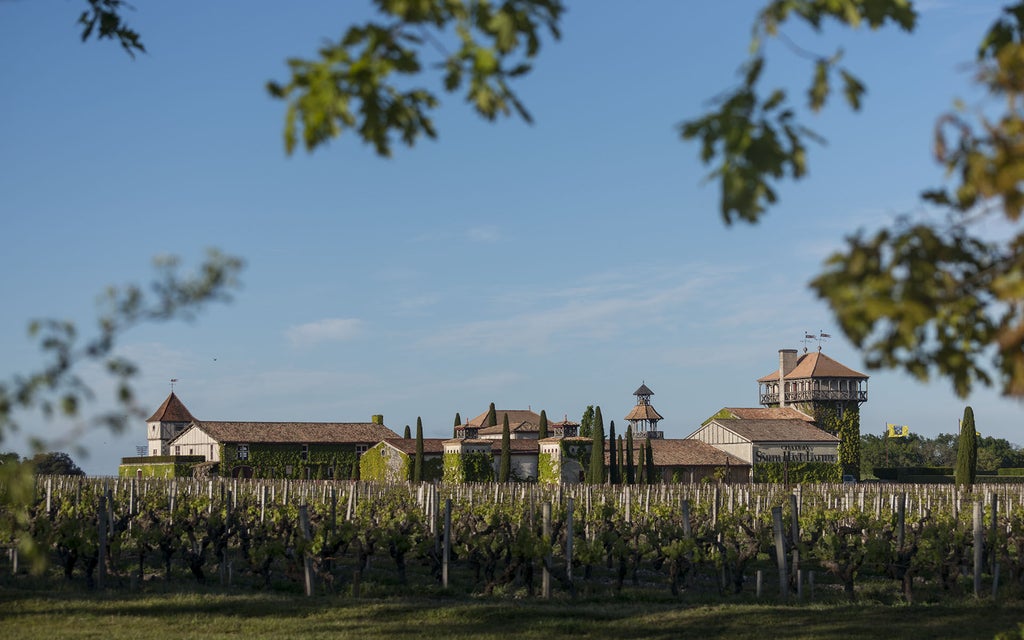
430	445
643	391
297	432
777	430
815	365
172	410
514	416
644	412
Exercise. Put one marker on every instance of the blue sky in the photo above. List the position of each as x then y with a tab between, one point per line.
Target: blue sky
554	266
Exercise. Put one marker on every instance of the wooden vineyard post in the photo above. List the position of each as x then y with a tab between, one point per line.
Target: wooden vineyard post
101	520
992	532
901	519
545	588
307	561
780	552
795	533
447	543
569	545
979	544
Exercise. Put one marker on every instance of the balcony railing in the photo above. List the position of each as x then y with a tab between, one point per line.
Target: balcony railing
817	395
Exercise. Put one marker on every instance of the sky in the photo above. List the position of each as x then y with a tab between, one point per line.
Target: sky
551	266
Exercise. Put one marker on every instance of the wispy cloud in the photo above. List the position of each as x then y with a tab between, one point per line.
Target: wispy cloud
326	330
483	234
599	310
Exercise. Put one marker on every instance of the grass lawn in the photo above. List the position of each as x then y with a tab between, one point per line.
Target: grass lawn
31	614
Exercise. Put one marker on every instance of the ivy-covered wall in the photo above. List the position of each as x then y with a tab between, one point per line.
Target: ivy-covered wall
847	429
468	467
382	463
548	470
285	460
575	458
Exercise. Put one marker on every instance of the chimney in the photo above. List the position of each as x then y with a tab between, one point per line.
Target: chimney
377	418
787	362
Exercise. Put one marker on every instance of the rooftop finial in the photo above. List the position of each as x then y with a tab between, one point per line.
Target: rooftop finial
173	380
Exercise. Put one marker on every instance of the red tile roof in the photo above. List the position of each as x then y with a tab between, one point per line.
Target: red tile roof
514	416
815	365
430	445
770	413
172	410
678	452
298	432
776	430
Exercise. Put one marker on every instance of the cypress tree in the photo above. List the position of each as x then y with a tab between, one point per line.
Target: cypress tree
641	473
492	417
649	463
417	464
587	422
458	423
505	469
597	449
630	469
408	434
613	468
542	428
620	449
966	451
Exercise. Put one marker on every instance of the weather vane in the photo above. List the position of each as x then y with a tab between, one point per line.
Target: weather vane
810	337
173	380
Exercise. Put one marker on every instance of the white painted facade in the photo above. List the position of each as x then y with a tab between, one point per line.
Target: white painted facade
195	442
159	434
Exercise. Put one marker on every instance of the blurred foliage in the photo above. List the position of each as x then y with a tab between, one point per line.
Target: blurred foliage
55	463
57	389
360	82
103	20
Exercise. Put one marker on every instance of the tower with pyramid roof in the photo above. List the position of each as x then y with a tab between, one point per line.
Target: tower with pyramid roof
643	419
166	422
829	392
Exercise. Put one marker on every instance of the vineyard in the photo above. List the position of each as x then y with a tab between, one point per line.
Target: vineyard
911	542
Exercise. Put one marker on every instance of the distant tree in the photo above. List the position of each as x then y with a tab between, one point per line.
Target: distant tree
967	451
55	463
620	449
652	477
542	428
9	457
505	468
613	468
458	419
408	433
630	469
597	474
587	422
417	464
641	470
492	417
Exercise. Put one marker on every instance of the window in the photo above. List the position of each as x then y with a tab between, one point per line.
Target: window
305	452
361	449
330	472
243	452
177	451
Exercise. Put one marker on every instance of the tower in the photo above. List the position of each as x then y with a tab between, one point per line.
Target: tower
643	419
166	422
814	384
